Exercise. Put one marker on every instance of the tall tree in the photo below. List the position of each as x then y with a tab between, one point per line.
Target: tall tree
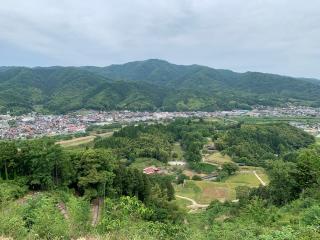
8	156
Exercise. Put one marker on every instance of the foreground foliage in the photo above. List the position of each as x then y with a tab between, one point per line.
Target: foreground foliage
47	192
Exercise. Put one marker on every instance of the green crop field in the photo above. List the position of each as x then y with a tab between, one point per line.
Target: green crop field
259	170
203	192
177	149
248	179
82	140
141	163
217	158
263	120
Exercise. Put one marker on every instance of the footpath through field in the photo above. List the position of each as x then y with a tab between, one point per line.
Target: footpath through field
259	178
194	205
95	210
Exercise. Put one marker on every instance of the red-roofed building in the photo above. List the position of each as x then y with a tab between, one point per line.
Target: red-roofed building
151	170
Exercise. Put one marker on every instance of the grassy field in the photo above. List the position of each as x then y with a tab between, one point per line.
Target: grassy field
183	203
177	149
217	158
82	140
248	179
260	171
257	120
318	140
203	192
76	141
141	163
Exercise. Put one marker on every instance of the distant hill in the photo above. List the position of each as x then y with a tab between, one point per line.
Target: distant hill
147	85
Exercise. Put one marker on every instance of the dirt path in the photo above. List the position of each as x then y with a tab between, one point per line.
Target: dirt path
63	209
259	178
95	210
194	204
25	198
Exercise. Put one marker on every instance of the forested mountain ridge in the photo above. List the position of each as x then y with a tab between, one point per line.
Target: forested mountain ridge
147	85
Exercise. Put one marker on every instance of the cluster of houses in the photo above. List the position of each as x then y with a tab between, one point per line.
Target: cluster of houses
311	128
36	125
31	126
289	111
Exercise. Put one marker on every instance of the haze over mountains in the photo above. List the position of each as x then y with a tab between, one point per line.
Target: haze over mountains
147	85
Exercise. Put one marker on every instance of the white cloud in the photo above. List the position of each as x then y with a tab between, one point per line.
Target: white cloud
280	36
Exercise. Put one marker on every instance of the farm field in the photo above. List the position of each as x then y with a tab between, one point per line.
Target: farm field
217	158
82	140
141	163
203	192
183	203
260	171
247	178
177	150
264	120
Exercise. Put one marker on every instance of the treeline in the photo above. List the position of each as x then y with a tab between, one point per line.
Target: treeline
291	178
149	85
140	206
193	134
287	208
132	142
255	143
43	165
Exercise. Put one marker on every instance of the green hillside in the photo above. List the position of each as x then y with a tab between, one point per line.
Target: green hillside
147	85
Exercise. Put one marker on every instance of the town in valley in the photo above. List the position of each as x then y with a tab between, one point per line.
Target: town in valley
34	125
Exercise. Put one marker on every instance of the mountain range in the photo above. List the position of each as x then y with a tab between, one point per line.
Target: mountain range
148	85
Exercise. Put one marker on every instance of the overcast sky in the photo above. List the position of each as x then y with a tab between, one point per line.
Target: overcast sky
277	36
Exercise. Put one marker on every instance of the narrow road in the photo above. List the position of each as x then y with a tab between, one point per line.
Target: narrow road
194	203
259	178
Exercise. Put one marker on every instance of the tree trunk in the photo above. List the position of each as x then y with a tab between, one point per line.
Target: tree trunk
6	169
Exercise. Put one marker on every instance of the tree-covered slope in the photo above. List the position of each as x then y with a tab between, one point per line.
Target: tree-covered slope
147	85
267	88
60	89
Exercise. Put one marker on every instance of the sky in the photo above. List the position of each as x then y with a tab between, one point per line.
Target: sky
275	36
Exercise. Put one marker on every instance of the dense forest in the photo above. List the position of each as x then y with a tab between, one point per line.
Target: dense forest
255	144
147	85
47	191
